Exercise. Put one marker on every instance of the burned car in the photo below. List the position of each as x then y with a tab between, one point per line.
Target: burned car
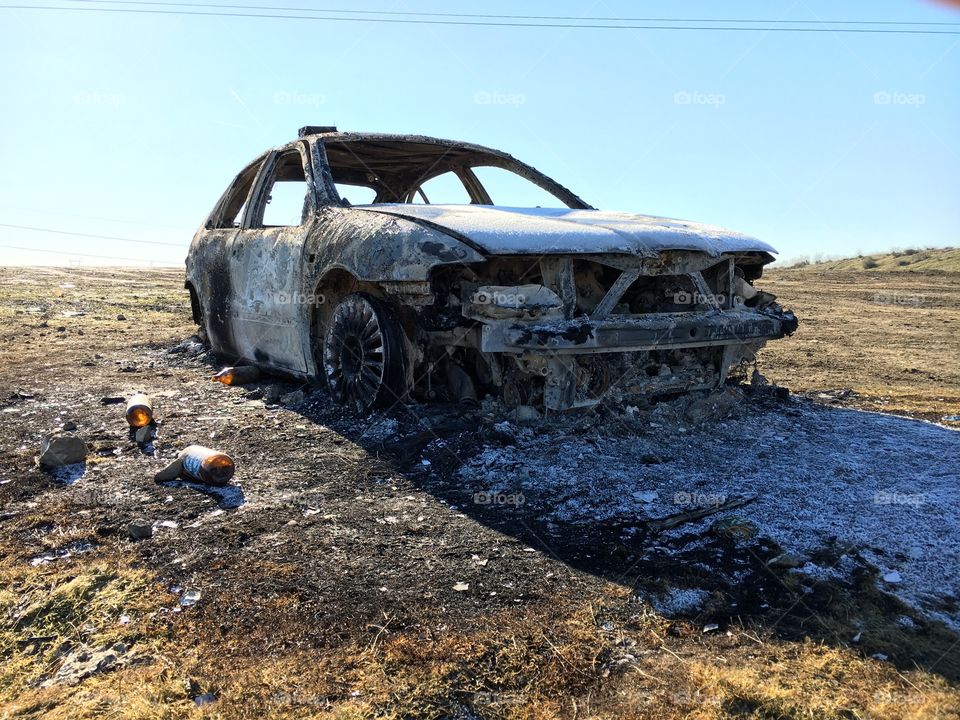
403	267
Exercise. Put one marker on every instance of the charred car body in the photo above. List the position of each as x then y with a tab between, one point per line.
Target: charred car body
395	297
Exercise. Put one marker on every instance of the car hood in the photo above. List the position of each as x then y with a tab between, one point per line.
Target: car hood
513	231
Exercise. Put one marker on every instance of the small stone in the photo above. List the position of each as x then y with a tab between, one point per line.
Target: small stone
140	529
189	597
461	587
293	398
62	448
145	434
121	317
735	528
525	414
892	577
787	561
69	426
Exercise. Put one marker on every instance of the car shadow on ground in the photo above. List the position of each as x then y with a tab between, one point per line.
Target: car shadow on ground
703	574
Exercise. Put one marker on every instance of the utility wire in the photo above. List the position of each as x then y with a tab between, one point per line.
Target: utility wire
277	8
70	253
410	21
87	235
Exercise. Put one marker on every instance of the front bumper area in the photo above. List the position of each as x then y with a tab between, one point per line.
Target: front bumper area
626	333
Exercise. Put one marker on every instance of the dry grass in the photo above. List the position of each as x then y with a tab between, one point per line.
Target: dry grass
608	658
909	259
569	656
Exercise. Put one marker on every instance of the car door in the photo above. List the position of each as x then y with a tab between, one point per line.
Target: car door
208	262
266	263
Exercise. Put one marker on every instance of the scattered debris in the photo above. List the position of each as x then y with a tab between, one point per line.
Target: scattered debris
672	521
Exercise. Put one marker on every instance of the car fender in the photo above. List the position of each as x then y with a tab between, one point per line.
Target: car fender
376	247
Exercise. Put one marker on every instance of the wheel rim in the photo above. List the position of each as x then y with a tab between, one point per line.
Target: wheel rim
353	355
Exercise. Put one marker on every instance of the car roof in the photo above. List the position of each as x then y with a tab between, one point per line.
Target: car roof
323	133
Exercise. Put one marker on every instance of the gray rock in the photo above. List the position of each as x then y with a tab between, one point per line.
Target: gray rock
140	529
294	398
525	414
787	560
62	448
714	406
145	434
84	662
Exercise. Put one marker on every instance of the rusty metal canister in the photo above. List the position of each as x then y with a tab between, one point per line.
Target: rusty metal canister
139	410
239	375
202	464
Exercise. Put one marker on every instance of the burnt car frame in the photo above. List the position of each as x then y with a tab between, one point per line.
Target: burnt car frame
400	299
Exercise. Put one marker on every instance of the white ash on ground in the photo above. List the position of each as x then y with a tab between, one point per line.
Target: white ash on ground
884	486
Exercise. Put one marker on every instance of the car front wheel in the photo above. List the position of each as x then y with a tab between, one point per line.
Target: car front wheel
363	354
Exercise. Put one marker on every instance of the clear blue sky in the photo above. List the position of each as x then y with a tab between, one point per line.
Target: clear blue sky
132	125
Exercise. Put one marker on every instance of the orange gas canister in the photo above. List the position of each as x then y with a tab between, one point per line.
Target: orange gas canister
205	465
240	375
139	411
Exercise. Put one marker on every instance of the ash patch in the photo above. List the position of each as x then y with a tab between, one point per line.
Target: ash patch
880	491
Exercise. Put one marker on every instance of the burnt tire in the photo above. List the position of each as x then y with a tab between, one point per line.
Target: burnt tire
364	358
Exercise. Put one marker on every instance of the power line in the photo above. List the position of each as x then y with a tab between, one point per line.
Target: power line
88	235
410	21
277	8
80	254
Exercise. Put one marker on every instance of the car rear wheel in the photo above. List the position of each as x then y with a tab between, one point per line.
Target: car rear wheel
363	354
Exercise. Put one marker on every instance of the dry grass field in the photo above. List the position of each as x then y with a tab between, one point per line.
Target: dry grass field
328	577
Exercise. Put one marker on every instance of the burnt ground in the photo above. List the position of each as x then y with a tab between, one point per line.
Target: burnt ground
352	570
